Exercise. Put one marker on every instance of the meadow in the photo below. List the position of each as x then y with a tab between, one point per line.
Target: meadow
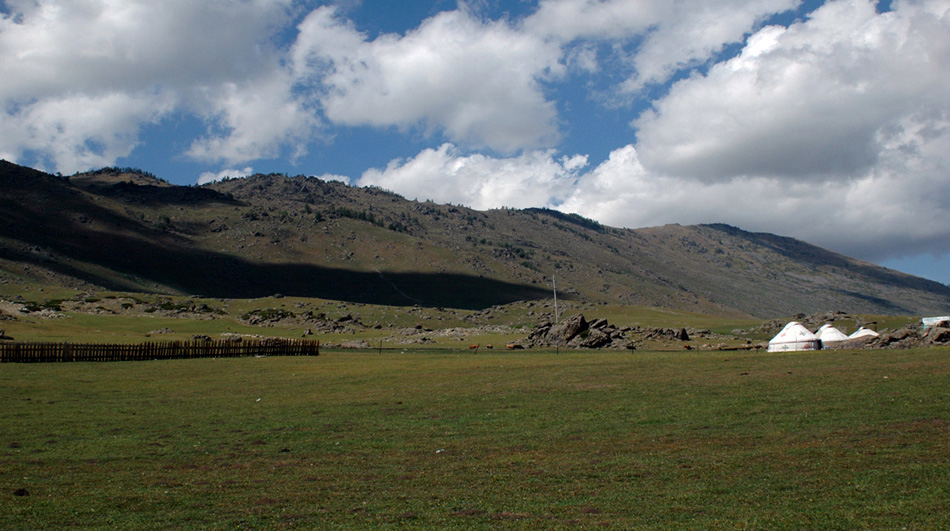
448	439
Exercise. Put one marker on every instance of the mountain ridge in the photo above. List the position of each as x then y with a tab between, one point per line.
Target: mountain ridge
123	229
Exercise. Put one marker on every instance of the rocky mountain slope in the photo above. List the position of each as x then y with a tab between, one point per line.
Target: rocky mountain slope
127	230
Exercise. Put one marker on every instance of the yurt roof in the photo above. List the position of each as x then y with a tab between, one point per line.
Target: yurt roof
793	331
830	334
863	332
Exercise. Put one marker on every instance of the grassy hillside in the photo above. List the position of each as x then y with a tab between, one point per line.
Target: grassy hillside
271	234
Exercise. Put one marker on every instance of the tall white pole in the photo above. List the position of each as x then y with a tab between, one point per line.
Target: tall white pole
557	345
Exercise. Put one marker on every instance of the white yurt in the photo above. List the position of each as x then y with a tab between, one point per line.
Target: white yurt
794	337
863	332
830	336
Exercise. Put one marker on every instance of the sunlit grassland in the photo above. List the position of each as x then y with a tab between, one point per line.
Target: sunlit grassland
452	440
379	322
92	328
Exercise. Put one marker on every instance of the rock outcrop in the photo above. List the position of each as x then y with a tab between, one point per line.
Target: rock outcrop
577	332
912	336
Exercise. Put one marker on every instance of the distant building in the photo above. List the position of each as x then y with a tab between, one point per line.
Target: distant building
934	321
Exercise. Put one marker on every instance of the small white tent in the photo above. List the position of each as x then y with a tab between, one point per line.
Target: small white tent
830	336
794	337
863	332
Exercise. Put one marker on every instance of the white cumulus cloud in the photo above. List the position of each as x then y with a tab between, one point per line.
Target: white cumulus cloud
210	177
73	132
257	118
653	39
810	101
477	82
80	78
445	175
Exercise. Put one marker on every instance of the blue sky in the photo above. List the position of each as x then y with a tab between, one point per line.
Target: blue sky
828	121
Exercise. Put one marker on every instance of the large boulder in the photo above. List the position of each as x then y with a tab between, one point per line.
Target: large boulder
938	335
857	342
591	338
568	330
906	337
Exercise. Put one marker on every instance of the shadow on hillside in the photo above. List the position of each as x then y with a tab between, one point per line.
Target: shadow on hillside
894	309
222	276
54	227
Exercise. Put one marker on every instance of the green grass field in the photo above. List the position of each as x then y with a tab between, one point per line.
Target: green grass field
104	321
453	440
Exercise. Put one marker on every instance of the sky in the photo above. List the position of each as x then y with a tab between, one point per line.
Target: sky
823	120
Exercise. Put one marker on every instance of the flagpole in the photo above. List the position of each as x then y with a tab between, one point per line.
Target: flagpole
557	345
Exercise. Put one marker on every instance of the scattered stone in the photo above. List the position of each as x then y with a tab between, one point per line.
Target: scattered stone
577	332
938	335
911	336
905	337
356	344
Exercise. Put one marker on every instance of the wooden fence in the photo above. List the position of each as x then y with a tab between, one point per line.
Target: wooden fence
19	352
